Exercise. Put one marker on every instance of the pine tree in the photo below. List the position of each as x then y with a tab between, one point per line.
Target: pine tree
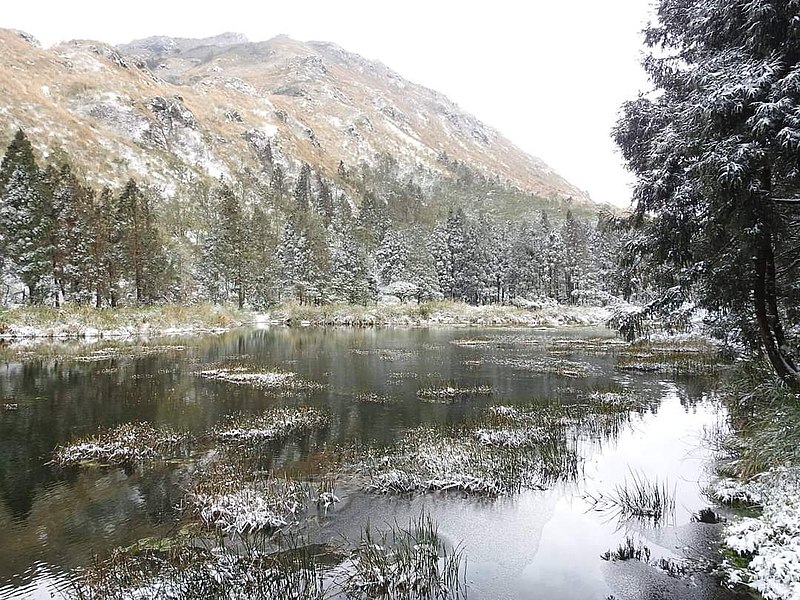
717	159
372	220
233	243
105	269
138	243
303	193
73	230
26	220
576	256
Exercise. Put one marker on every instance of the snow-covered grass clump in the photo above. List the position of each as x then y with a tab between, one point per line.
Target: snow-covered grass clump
263	504
771	541
478	460
265	380
373	398
548	365
240	375
129	444
674	354
172	569
596	345
401	562
274	424
449	393
515	437
111	353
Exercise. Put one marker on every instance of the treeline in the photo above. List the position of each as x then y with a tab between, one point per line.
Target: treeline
261	238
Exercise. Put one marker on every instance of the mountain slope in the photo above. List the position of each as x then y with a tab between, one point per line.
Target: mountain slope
165	109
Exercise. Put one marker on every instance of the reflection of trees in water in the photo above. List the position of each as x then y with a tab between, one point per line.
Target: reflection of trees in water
90	512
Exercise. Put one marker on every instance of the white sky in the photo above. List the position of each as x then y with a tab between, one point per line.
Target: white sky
550	75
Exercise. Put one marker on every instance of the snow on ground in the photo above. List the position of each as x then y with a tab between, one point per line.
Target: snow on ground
771	540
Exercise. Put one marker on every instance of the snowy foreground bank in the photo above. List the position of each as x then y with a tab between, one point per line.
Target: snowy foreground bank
765	550
85	322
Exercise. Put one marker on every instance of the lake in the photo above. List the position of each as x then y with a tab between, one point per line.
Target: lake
539	540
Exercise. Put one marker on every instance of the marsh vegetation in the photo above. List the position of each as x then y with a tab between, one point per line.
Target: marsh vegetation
351	462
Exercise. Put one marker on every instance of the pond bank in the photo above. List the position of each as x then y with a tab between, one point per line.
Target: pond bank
759	477
166	319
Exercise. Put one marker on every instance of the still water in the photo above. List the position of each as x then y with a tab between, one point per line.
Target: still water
530	545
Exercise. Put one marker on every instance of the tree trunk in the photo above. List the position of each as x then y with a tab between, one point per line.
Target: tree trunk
767	316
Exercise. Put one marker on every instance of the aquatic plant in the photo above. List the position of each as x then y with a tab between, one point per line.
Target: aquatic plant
127	351
472	460
684	356
373	398
628	551
266	380
473	342
637	497
574	345
707	515
326	496
130	444
593	418
451	393
234	506
399	563
277	423
548	365
187	568
404	564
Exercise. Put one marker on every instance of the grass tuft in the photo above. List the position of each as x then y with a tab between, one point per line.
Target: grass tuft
405	563
130	444
628	551
637	497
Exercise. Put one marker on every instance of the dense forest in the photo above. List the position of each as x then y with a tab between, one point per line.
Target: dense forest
261	238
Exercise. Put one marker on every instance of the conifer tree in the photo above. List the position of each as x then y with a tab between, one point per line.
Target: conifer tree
138	242
26	219
716	157
105	267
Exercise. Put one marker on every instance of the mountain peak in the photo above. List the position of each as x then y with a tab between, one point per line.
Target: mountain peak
163	44
161	106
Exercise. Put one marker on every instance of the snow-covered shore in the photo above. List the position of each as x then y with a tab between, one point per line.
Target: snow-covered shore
73	322
439	313
170	319
767	547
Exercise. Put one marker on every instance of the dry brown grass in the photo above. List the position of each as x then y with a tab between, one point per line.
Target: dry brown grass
56	119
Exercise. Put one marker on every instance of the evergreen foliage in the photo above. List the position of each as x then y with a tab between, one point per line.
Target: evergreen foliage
717	157
259	238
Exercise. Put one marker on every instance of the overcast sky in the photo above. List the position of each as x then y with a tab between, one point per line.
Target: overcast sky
549	75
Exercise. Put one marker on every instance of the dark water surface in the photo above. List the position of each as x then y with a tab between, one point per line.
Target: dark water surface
534	544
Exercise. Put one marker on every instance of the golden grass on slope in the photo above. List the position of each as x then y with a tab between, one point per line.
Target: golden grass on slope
414	123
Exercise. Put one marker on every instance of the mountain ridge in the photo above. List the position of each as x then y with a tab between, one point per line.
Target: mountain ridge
162	107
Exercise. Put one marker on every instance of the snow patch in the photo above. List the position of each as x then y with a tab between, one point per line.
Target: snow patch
772	540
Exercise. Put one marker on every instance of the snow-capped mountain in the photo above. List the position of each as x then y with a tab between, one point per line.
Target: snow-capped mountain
161	109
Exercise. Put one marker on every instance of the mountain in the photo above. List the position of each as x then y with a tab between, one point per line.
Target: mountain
163	109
